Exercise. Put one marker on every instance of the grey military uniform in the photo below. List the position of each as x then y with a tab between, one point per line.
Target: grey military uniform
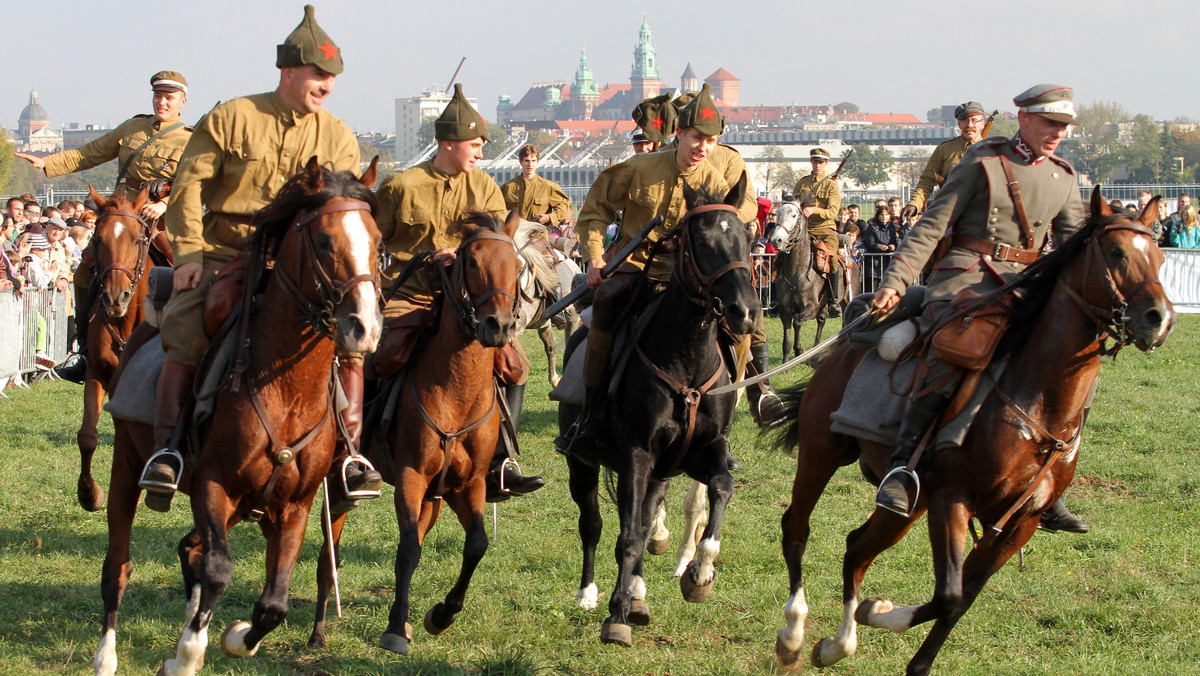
975	202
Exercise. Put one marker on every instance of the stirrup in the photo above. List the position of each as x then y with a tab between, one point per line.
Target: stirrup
912	503
362	493
763	398
157	486
564	441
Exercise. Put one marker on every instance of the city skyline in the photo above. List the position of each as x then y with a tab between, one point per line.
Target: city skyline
876	56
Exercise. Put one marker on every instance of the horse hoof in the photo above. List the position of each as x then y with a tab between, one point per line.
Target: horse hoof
316	642
233	640
815	658
613	632
693	592
659	547
431	623
789	660
639	612
91	496
869	607
159	502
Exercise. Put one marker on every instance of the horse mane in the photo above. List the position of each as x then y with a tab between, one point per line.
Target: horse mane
480	221
274	219
1032	288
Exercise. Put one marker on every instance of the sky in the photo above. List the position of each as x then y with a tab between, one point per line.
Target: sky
91	62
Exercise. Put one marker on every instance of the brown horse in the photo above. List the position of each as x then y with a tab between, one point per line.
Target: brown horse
121	252
270	441
447	424
1019	454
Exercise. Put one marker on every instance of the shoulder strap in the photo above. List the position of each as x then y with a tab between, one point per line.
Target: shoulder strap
1014	190
137	151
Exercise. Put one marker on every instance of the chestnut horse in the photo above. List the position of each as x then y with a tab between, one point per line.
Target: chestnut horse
270	441
1019	455
122	252
447	424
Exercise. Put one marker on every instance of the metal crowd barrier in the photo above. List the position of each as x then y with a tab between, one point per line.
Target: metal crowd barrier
22	318
862	277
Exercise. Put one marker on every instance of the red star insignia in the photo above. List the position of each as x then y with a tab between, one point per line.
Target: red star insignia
329	50
706	113
657	123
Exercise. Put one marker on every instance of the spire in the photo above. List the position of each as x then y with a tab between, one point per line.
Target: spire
645	56
584	84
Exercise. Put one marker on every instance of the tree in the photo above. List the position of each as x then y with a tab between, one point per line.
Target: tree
1185	145
775	172
1095	151
542	139
6	156
910	165
499	142
425	133
869	167
1003	125
845	107
933	115
1143	153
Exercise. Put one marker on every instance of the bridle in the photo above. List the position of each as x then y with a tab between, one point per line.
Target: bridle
795	233
459	296
1112	320
332	292
695	283
143	246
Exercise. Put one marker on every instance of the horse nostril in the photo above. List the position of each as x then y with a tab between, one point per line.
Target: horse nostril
1152	318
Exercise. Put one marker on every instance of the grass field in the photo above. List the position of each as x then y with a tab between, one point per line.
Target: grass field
1120	600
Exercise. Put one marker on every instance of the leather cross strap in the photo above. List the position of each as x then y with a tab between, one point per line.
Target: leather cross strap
138	150
999	251
691	399
1014	190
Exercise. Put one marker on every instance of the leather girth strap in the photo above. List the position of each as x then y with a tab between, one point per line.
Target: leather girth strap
446	439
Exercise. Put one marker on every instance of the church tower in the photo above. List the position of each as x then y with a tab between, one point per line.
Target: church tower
688	82
644	79
584	91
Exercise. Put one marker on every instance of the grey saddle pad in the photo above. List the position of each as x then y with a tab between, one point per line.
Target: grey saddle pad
134	397
871	411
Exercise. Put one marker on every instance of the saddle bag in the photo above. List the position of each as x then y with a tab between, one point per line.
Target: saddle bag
399	341
511	365
225	294
822	257
970	337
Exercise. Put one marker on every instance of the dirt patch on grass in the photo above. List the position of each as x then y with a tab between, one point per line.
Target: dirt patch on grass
1101	486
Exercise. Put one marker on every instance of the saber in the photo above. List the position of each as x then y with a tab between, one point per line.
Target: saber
608	269
328	524
796	361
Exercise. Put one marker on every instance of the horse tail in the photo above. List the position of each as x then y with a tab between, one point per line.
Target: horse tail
785	428
610	484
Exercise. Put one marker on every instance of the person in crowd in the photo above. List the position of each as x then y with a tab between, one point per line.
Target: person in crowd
80	237
241	152
946	155
88	220
1143	199
1161	227
855	217
851	255
1185	234
33	213
535	198
982	218
879	239
1181	204
843	219
14	213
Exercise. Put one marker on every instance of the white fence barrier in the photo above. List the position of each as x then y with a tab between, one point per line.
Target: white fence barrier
35	320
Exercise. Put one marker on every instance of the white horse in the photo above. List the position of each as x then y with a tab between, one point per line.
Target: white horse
548	276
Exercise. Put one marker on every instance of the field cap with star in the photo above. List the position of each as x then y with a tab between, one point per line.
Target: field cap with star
309	45
702	114
656	118
460	121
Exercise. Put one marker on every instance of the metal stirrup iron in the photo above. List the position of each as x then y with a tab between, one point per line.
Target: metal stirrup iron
364	493
912	504
153	485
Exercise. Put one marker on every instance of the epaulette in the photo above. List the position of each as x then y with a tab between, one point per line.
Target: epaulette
142	115
729	147
1063	163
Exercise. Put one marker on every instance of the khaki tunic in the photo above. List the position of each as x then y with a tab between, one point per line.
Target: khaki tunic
943	159
534	196
729	163
241	153
975	201
418	208
826	197
644	186
158	160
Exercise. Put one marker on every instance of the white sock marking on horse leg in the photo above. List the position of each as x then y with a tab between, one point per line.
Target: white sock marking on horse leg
694	517
193	603
586	598
846	642
658	530
898	620
637	588
106	655
188	653
795	612
234	640
707	553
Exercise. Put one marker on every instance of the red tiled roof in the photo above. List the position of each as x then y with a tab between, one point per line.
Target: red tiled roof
892	118
595	127
610	90
740	114
722	75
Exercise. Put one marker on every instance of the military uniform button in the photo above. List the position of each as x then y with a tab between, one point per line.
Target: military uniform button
987	257
1037	224
995	210
992	219
1054	175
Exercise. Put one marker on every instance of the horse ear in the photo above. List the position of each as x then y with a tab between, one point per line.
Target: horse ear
1099	207
369	176
1150	213
512	223
314	179
690	197
737	195
143	196
97	198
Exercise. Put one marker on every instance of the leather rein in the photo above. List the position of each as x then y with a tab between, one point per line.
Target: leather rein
795	234
139	268
320	317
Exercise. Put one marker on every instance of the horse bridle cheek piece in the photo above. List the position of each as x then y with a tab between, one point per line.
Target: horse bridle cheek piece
696	284
460	296
139	268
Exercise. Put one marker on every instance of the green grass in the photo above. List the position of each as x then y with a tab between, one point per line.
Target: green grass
1120	600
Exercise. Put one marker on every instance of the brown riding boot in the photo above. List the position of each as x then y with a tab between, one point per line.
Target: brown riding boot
352	477
160	478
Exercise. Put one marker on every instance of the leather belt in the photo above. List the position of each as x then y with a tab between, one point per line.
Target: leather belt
238	219
999	251
135	184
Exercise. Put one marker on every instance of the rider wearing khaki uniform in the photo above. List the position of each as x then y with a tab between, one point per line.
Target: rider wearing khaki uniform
147	149
820	199
947	154
241	153
418	211
535	198
989	248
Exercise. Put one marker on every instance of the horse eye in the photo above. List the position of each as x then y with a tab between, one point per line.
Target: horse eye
325	242
1118	253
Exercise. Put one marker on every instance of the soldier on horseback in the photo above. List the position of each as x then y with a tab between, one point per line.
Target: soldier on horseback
999	204
820	198
418	209
241	153
147	149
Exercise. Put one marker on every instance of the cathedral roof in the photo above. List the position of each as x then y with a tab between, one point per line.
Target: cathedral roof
34	112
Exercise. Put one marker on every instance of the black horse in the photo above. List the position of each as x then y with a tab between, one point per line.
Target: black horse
662	423
801	293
